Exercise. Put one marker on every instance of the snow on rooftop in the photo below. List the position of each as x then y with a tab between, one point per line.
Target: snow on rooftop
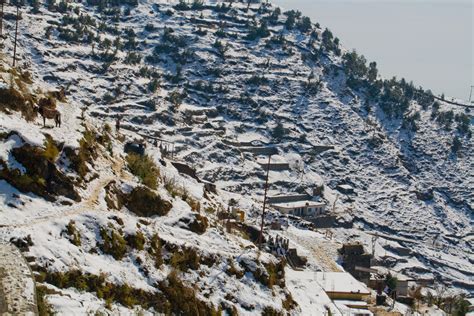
275	159
345	187
299	204
359	304
340	282
352	311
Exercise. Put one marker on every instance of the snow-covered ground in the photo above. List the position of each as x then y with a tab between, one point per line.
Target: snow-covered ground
433	237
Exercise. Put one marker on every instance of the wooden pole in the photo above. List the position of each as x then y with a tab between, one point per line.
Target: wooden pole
260	237
1	18
16	33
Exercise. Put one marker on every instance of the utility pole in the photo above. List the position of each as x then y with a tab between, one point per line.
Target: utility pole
16	32
1	18
334	205
470	94
260	237
374	240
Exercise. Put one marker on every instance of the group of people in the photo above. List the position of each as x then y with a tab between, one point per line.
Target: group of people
279	245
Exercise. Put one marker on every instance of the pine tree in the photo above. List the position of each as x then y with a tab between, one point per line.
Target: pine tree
457	145
373	71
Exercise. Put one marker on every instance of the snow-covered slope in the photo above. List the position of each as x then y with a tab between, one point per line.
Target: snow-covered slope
205	82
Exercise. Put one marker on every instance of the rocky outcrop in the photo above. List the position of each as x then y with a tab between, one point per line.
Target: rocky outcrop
41	177
114	197
195	223
17	286
144	202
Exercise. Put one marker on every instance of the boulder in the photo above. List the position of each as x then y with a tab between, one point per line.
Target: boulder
144	202
42	177
195	223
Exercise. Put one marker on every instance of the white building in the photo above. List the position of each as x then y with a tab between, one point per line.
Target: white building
300	208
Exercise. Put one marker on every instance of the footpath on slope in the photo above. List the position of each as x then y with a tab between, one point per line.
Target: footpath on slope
17	285
320	249
87	205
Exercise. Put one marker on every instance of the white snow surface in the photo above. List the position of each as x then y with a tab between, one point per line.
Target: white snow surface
436	234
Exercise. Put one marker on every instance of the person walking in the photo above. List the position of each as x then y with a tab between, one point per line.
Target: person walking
117	125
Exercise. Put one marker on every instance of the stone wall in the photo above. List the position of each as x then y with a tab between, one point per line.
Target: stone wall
17	285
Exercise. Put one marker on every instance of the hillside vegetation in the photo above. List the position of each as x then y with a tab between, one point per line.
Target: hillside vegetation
203	84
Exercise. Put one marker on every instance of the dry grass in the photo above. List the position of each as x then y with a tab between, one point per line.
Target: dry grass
145	169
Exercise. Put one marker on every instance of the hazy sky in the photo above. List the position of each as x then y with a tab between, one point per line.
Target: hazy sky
427	41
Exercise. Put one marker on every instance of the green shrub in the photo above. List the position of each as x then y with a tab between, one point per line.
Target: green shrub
181	6
257	80
133	58
86	154
153	85
456	145
113	243
312	87
445	119
174	298
74	235
279	131
123	294
182	300
155	250
185	259
51	152
24	182
144	168
257	32
391	282
232	270
464	123
288	303
44	309
270	311
170	186
107	128
136	241
176	98
12	99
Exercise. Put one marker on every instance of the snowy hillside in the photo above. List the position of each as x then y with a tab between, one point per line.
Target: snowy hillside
208	85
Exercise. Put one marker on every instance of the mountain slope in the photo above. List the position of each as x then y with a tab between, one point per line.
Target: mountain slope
206	80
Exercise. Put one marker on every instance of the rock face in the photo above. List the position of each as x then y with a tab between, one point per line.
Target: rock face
114	197
144	202
50	181
17	286
197	223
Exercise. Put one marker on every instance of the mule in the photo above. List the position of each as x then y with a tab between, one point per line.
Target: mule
46	110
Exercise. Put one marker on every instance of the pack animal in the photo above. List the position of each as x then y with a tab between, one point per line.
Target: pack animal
47	111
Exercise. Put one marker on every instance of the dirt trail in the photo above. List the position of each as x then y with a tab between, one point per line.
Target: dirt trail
91	202
323	251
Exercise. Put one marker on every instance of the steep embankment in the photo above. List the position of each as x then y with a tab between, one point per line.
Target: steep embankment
110	232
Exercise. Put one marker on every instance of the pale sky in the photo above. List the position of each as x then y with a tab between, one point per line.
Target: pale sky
427	41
